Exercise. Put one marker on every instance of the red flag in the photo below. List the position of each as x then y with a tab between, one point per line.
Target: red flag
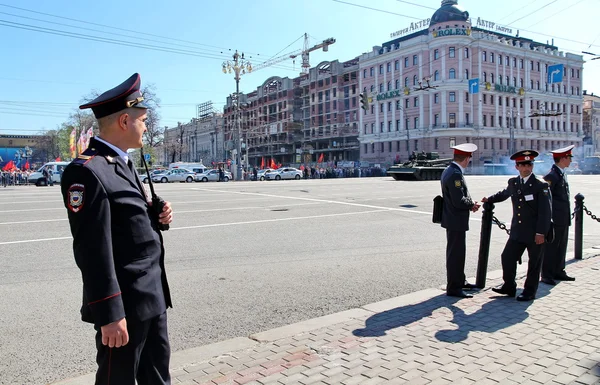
321	158
262	163
273	165
278	165
27	165
57	159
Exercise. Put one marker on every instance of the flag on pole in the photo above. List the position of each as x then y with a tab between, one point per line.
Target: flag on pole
321	158
72	147
90	133
27	165
58	159
262	163
273	165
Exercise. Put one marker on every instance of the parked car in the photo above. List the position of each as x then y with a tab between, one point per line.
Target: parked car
284	173
144	177
213	176
175	175
57	169
260	175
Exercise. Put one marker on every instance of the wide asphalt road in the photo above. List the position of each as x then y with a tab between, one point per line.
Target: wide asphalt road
242	257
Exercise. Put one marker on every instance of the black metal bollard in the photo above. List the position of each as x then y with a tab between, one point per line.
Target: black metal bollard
579	226
484	244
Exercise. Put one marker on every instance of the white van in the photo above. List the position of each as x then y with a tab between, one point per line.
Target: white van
57	170
198	168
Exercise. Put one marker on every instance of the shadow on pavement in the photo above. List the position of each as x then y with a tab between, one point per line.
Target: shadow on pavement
492	316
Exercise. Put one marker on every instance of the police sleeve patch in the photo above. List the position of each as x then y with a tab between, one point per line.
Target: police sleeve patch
75	195
457	183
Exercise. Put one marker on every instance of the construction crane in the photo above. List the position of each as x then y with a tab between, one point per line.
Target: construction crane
293	55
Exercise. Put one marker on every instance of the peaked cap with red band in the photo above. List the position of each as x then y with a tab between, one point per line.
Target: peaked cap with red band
525	156
125	95
563	152
465	149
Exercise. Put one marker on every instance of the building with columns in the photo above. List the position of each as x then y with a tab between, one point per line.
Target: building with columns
421	99
199	140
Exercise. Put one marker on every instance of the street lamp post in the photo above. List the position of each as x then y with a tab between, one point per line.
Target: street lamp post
239	66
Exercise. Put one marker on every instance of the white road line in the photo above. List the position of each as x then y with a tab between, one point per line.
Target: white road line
20	211
217	225
244	208
38	221
276	220
35	240
17	202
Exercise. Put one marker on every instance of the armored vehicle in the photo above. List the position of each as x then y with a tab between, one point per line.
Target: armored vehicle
422	166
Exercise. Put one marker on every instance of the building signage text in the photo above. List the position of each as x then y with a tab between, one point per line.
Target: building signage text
509	89
388	95
413	27
493	26
452	32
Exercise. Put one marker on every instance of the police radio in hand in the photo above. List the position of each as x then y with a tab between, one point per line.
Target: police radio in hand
158	204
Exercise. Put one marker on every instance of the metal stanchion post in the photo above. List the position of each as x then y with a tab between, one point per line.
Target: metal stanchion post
484	244
579	226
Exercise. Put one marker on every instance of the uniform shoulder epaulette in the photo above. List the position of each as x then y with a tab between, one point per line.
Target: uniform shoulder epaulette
85	156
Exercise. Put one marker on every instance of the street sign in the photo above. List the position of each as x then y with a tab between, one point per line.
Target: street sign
147	157
474	86
555	73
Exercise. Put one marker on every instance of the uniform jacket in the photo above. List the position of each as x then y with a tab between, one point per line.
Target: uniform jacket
532	211
561	201
116	242
457	202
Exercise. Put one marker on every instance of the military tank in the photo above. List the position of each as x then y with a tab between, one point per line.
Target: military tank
422	166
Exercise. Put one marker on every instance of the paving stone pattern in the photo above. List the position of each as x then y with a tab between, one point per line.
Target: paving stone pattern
442	340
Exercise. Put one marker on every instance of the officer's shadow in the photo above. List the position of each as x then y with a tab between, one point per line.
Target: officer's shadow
498	313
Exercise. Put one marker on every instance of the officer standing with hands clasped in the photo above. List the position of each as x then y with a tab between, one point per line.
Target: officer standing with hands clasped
118	246
553	267
530	224
455	219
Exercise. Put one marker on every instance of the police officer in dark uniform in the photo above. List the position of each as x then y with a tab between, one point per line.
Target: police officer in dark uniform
553	267
118	246
530	224
455	219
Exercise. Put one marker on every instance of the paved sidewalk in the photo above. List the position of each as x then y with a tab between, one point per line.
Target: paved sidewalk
422	338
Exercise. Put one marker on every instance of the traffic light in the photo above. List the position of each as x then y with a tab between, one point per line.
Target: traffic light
364	101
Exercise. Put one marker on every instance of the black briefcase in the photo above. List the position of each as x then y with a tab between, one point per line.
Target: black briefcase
438	209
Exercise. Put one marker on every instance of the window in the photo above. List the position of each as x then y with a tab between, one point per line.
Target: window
485	77
364	73
389	106
451	52
415	60
397	84
491	57
437	144
372	71
483	55
366	129
531	66
514	81
453	96
436	75
521	83
466	53
381	69
389	67
397	124
415	79
467	97
398	106
572	72
405	62
452	74
537	84
436	54
406	103
500	60
521	64
538	67
506	61
380	87
531	84
389	86
416	122
381	107
436	98
390	126
514	64
452	120
484	98
416	101
397	65
485	124
406	81
436	120
381	127
467	119
466	74
492	77
500	79
406	123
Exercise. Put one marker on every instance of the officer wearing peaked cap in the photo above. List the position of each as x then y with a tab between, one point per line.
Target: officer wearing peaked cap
529	228
118	246
553	267
455	219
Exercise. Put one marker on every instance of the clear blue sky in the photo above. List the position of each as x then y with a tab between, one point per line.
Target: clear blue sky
47	75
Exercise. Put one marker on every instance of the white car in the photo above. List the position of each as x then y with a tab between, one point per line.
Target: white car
213	176
144	176
175	175
284	173
260	175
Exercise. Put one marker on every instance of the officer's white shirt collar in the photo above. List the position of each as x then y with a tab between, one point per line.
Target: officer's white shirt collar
460	167
526	179
121	153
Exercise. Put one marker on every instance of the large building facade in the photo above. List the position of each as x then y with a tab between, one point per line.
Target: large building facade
199	140
420	97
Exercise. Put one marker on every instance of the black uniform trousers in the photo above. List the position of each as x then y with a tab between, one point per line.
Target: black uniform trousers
513	251
554	257
145	358
456	250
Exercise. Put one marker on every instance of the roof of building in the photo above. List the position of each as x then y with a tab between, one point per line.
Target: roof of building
449	11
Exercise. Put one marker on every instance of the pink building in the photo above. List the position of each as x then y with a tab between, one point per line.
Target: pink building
419	86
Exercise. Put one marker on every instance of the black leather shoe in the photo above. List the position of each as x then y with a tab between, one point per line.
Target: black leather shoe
469	286
548	281
525	297
502	290
564	277
459	294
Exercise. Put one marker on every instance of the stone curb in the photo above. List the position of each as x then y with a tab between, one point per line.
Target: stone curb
199	354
